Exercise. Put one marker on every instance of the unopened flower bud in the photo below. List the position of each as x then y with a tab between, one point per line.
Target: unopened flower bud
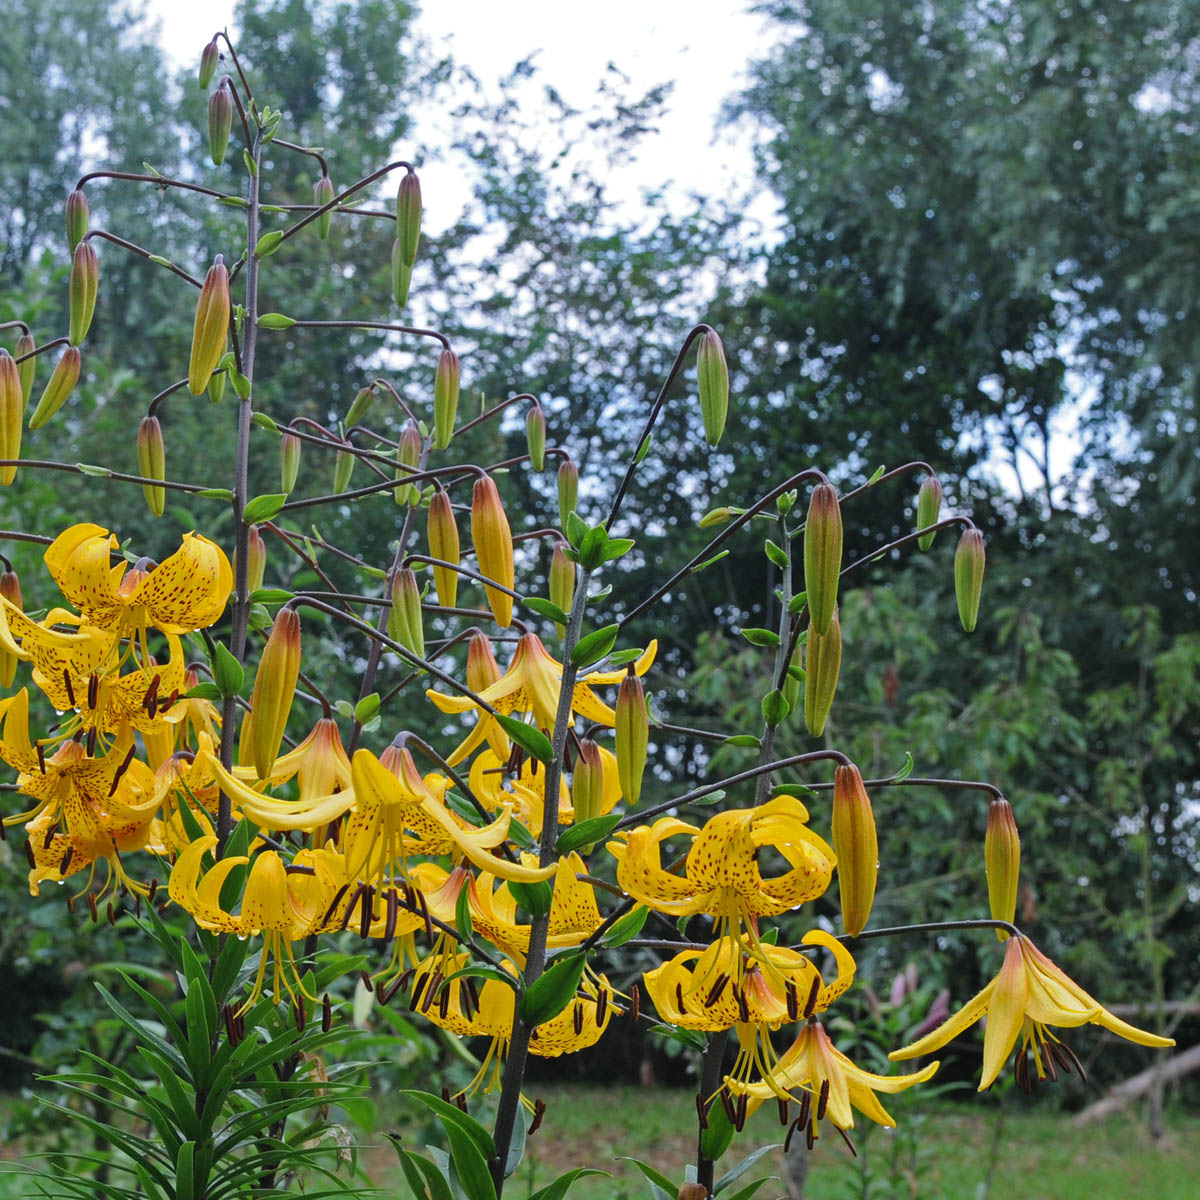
210	328
482	671
404	618
401	275
969	560
712	377
323	194
408	457
208	64
274	690
408	217
78	218
1002	860
360	406
929	505
562	580
12	415
220	121
216	385
444	544
632	731
587	782
493	547
85	278
822	664
568	491
856	847
58	387
152	463
714	516
792	678
25	347
10	589
445	398
289	462
343	468
535	437
256	559
822	555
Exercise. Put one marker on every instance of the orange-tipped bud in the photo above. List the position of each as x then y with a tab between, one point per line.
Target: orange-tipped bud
12	415
822	555
274	690
360	406
482	668
822	664
289	462
85	279
493	547
210	328
562	580
969	561
323	194
401	276
256	559
443	544
58	387
208	64
712	377
152	463
343	468
1002	860
632	736
220	121
587	782
856	847
404	618
78	218
535	437
10	589
408	217
408	457
568	491
26	346
929	505
445	398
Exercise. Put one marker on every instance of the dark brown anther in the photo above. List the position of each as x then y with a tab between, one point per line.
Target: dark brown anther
393	915
41	753
787	1141
350	911
230	1028
152	890
785	1109
49	836
1021	1072
743	1005
445	1093
444	1002
679	997
91	741
379	991
299	1014
239	1023
334	903
424	910
805	1108
539	1111
601	1006
418	988
162	908
365	976
823	1100
111	913
70	903
93	695
714	993
461	1101
150	699
66	861
1048	1060
635	1004
727	1105
743	1111
120	771
137	905
577	1018
93	911
1065	1053
470	992
793	1001
846	1139
29	854
67	685
170	704
326	1014
3	832
811	1006
368	904
810	1134
431	992
701	1111
398	984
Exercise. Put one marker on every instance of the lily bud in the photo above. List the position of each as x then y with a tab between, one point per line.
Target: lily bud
274	690
152	463
1002	860
408	217
208	64
10	589
929	504
482	668
493	547
78	218
792	679
323	194
404	618
445	398
587	781
360	406
85	278
210	328
822	555
216	385
408	457
562	581
856	847
632	731
535	437
289	462
12	416
444	544
58	387
823	662
256	559
715	516
969	560
712	377
26	346
568	491
343	468
401	275
220	121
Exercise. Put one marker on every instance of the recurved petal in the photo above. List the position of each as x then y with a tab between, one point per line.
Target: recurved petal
950	1028
189	590
641	665
80	562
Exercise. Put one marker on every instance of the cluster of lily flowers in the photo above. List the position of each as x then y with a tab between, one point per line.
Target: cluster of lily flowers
367	843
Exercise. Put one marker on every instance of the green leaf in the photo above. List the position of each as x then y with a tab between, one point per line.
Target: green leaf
750	1188
735	1173
534	898
264	421
241	385
204	691
267	245
228	673
776	554
655	1178
520	836
797	602
450	1114
627	928
462	914
877	476
906	770
775	707
713	797
761	637
426	1181
185	1172
621	657
533	741
271	596
576	528
545	608
214	494
366	708
717	1137
693	1039
557	1189
585	833
741	739
708	562
595	645
93	471
593	547
617	547
263	508
275	320
547	996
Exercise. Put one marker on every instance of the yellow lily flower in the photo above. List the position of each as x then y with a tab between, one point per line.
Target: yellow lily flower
531	685
1029	993
183	593
319	764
